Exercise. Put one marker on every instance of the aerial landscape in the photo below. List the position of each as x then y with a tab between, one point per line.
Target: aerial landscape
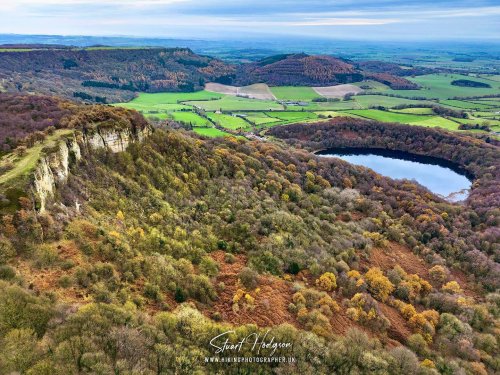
250	187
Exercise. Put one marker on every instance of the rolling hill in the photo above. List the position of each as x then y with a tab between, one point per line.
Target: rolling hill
103	74
110	74
298	69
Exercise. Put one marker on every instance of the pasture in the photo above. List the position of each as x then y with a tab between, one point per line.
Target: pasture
228	121
415	111
462	104
296	93
368	101
190	118
210	132
406	118
232	103
233	112
293	116
439	86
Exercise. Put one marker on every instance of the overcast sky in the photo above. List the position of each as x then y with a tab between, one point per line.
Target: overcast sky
236	19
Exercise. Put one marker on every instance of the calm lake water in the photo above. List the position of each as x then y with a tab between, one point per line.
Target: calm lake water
439	176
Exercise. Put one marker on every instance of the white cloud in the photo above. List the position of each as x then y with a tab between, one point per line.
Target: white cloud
6	5
345	22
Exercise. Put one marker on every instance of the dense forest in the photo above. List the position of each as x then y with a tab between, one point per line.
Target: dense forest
297	70
180	238
110	74
468	83
24	116
305	70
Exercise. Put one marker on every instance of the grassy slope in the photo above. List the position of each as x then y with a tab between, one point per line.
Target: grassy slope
27	162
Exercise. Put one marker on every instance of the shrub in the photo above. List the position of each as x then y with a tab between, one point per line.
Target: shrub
7	272
209	267
20	309
417	343
46	256
179	295
65	281
425	323
7	251
452	287
19	351
378	284
152	291
364	309
327	281
229	258
248	278
438	274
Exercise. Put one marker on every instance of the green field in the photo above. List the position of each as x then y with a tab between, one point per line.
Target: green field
157	115
375	114
210	132
190	118
259	118
330	106
405	118
266	113
465	104
165	100
367	101
292	116
415	111
228	121
492	77
297	93
439	86
437	121
234	103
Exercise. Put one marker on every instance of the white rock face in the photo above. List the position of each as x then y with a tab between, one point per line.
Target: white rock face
43	183
52	170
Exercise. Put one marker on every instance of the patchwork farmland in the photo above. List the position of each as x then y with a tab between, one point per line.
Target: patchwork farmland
224	109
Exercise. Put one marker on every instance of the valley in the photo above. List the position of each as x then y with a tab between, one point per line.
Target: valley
469	110
153	198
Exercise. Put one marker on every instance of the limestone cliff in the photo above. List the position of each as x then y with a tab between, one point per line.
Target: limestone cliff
52	169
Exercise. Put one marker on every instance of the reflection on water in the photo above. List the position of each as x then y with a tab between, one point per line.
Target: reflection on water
437	176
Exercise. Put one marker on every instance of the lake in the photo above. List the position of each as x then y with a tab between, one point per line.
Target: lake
443	178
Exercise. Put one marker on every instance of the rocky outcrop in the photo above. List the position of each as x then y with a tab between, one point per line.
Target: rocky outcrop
53	168
115	140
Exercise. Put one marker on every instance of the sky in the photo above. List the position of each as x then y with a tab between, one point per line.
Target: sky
237	19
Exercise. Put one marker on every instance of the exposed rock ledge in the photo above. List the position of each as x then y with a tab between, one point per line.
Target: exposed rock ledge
52	169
